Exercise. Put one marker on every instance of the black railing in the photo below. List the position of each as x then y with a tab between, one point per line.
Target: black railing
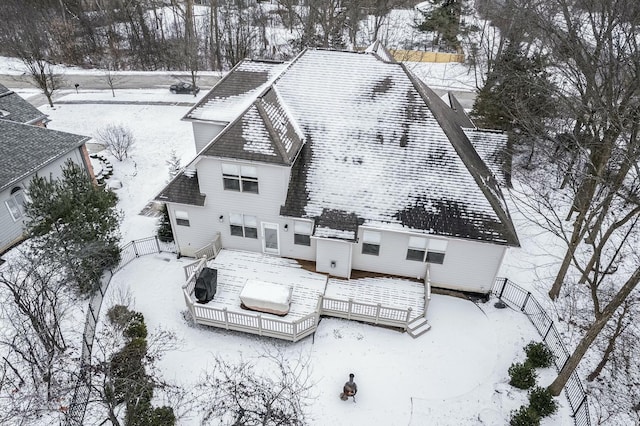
82	389
519	298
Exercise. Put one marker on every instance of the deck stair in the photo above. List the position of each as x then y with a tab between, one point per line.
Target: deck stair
418	326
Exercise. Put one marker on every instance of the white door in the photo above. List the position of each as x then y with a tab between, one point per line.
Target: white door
270	242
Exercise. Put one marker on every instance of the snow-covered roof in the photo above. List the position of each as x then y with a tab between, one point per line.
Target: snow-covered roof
372	142
236	91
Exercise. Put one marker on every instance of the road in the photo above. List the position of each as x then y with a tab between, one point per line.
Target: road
151	80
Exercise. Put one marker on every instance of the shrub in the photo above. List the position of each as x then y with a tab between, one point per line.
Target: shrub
522	375
542	402
538	355
119	315
164	232
136	329
525	416
117	139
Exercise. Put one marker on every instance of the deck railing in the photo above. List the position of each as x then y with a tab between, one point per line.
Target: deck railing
427	290
375	314
211	250
519	298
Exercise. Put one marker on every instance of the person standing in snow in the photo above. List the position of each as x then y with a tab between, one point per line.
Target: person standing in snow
350	388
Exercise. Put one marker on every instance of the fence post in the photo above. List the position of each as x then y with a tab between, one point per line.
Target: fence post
135	248
526	299
377	313
349	309
226	317
259	324
157	243
504	285
584	399
544	339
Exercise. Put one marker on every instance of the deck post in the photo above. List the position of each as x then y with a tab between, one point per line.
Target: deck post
226	317
378	313
408	317
295	331
259	324
349	309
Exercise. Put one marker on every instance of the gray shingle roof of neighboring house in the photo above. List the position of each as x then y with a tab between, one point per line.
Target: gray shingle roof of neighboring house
14	108
376	144
183	189
25	149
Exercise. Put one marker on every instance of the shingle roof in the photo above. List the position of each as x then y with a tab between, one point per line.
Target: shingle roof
263	133
379	146
14	108
184	189
25	149
236	91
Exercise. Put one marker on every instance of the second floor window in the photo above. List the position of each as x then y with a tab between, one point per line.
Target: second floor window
240	178
243	225
15	204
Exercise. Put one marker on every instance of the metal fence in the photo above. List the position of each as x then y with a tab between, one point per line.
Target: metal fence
519	298
82	389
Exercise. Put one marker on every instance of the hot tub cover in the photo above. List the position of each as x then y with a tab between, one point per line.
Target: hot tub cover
266	297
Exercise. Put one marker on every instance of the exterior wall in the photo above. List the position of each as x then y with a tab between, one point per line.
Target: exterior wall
205	221
11	231
203	133
468	265
334	257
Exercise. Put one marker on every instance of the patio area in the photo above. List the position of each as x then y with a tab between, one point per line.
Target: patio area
386	301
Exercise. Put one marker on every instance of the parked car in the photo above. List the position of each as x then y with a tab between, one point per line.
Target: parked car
183	88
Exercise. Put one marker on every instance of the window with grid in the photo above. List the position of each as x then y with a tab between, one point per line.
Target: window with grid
436	251
371	242
182	218
243	225
417	249
240	178
302	233
15	204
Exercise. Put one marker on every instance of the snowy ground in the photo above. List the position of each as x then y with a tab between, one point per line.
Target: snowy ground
455	374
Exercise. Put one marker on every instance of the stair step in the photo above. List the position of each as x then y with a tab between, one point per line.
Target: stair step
417	329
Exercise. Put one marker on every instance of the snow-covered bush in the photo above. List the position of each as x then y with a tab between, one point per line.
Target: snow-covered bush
522	375
538	355
541	401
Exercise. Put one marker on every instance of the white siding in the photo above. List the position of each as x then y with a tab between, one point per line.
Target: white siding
468	265
203	133
336	253
265	206
11	230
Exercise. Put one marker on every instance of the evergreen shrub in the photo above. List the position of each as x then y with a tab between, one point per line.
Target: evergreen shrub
538	355
522	375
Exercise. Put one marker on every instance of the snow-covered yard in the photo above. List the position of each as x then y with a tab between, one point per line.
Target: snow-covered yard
454	374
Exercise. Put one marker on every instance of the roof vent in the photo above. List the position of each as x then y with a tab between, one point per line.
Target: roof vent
189	172
3	113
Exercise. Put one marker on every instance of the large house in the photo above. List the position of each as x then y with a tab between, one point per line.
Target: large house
28	148
348	160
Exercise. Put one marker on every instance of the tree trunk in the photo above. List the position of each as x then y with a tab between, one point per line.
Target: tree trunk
610	346
594	330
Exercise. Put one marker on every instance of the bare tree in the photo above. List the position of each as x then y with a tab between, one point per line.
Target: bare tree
117	139
37	304
111	78
240	394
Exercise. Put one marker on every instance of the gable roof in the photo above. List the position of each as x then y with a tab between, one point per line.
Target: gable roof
25	149
373	145
15	108
264	132
235	91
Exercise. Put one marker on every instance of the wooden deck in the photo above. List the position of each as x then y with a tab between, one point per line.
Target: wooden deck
386	301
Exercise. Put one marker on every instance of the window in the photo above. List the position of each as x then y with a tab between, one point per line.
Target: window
417	249
240	178
371	243
182	218
15	204
302	233
436	251
243	225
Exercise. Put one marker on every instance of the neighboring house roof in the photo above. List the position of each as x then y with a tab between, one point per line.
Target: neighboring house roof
235	91
14	108
183	189
25	149
377	147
